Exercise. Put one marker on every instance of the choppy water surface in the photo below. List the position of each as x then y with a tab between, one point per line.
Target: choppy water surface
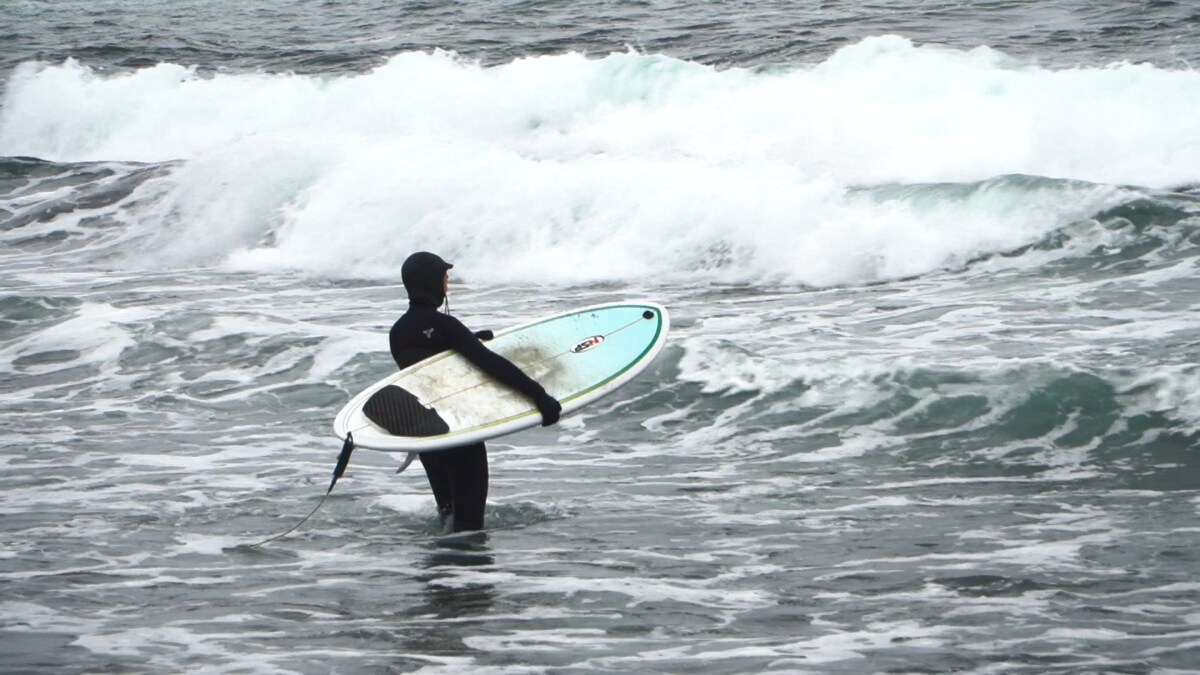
929	403
322	36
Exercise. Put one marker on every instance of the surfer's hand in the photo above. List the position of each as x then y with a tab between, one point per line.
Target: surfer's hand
484	335
550	409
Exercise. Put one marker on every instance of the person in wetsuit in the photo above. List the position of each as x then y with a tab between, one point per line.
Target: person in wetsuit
457	476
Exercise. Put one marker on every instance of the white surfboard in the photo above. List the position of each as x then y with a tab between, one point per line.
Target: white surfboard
578	356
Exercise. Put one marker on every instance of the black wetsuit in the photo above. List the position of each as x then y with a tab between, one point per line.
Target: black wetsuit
458	476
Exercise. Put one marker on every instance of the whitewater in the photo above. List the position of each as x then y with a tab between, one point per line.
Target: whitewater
929	403
565	165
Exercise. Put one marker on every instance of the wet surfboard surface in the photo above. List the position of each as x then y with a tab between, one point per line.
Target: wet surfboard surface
446	401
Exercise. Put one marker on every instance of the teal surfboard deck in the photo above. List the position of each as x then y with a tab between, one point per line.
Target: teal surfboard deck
578	356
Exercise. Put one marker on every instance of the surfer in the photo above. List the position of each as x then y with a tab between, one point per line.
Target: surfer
457	476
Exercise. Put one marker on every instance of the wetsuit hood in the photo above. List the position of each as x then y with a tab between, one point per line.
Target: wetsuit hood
422	274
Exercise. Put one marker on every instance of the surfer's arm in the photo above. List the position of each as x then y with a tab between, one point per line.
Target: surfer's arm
461	340
499	368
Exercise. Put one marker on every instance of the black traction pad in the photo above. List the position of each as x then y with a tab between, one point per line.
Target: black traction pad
401	414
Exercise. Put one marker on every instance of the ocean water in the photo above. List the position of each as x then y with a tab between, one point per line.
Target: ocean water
930	403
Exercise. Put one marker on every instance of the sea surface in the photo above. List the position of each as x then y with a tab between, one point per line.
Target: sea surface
930	403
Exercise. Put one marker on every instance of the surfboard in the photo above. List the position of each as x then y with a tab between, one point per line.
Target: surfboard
446	401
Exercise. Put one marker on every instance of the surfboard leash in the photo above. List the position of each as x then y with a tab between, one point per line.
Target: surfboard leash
340	468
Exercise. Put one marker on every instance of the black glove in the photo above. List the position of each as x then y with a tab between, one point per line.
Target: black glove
550	409
484	335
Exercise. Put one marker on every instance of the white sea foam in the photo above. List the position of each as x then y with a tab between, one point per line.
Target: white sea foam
1169	388
96	335
408	504
582	169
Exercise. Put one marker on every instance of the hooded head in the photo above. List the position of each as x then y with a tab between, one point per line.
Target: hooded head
422	274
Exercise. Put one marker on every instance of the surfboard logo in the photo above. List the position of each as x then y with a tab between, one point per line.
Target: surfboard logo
587	344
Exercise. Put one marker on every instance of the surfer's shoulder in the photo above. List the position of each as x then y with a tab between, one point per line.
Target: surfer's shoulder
451	326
